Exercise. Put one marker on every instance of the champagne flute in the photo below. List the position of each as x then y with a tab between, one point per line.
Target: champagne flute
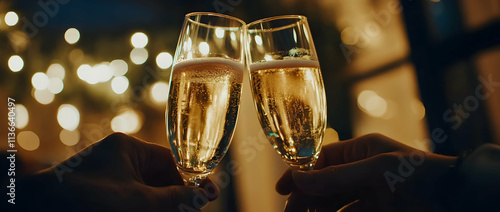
204	95
287	87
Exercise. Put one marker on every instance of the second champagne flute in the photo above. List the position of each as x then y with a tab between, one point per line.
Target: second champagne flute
204	96
287	87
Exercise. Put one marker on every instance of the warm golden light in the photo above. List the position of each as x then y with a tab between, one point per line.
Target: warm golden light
22	116
56	70
56	85
69	138
68	117
127	122
16	63
11	18
40	81
159	92
28	140
418	108
44	97
83	72
139	40
118	67
119	84
101	72
372	104
139	55
164	60
72	35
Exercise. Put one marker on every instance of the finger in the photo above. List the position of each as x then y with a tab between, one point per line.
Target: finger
357	149
344	178
296	202
158	168
211	189
180	198
285	184
352	207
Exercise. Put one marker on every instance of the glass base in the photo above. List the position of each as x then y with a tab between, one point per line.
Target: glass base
193	179
305	164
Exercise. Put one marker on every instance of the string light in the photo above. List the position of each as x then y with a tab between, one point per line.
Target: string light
164	60
16	63
138	56
119	84
68	117
22	116
44	97
139	40
72	35
128	121
28	140
11	18
159	92
40	81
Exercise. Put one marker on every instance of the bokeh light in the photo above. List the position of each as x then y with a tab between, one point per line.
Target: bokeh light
28	140
84	71
119	84
102	72
22	116
11	18
16	63
56	70
139	55
68	117
56	85
164	60
44	96
159	92
372	104
204	48
72	35
118	67
127	121
40	81
69	138
139	40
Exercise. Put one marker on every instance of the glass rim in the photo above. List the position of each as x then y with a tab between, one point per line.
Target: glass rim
193	14
297	18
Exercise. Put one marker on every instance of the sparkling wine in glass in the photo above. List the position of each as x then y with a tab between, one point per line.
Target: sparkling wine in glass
204	95
287	87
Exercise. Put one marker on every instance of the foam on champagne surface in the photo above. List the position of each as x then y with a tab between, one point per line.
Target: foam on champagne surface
209	68
289	63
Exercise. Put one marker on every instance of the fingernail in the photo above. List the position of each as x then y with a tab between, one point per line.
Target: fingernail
304	178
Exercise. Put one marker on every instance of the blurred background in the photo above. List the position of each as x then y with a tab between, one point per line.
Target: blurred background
424	72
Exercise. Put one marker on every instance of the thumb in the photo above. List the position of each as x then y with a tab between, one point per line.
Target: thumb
341	178
181	198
